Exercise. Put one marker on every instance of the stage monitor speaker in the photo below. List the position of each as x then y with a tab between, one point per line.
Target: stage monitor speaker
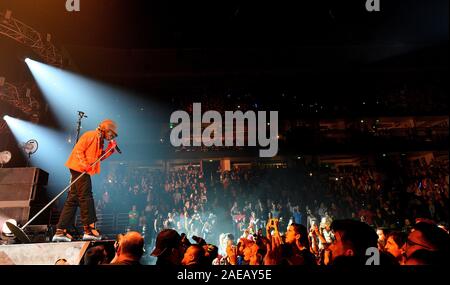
22	194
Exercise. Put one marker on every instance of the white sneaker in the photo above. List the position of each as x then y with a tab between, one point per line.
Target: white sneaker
88	237
61	238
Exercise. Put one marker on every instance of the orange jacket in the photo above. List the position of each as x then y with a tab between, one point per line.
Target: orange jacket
87	150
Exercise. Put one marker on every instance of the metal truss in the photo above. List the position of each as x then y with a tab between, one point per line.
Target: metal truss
19	97
24	34
2	126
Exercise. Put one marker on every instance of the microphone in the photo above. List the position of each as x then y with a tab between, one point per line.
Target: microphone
117	148
81	114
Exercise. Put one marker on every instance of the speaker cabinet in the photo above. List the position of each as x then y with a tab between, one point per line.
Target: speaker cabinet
23	193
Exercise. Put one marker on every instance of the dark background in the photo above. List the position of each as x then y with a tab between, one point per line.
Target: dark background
283	54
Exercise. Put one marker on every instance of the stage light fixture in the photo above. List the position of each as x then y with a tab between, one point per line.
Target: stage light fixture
5	230
5	157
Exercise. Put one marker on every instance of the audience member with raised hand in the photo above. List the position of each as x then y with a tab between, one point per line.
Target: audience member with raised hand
274	249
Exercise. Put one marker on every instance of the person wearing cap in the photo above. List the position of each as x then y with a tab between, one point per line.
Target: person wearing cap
81	162
170	247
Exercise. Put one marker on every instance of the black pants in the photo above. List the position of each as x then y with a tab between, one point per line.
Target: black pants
80	194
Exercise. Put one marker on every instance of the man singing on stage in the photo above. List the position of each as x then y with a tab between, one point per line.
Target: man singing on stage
81	162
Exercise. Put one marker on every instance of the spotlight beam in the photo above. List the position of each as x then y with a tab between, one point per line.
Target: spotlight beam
53	148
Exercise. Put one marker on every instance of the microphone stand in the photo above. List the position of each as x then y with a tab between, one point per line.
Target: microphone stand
28	160
80	116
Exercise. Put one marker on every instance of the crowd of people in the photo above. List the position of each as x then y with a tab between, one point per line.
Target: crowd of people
155	200
342	243
244	204
345	243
